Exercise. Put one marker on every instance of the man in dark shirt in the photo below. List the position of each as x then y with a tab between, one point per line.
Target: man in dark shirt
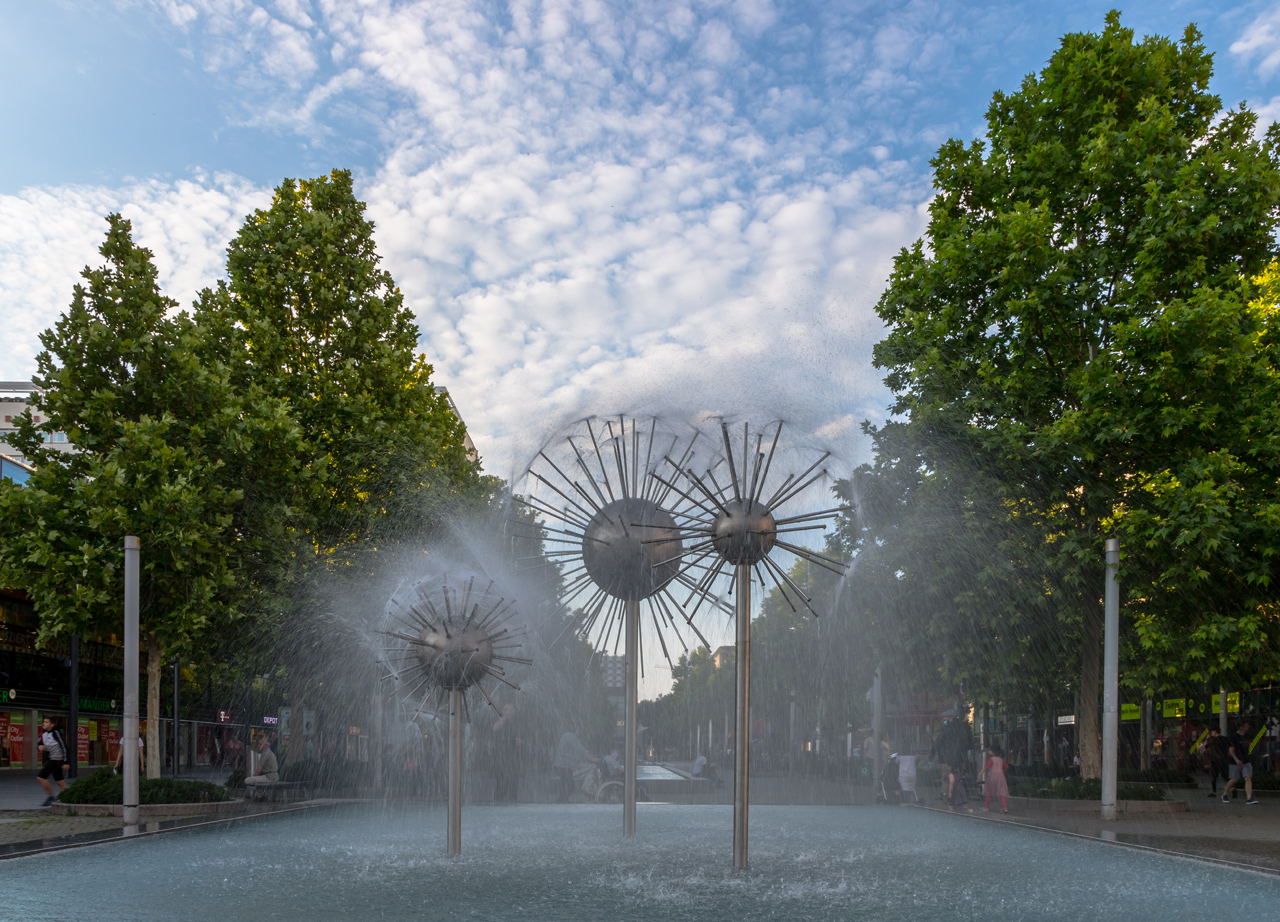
1217	747
1240	765
508	754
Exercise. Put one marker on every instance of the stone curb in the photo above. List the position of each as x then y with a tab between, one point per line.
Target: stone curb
147	811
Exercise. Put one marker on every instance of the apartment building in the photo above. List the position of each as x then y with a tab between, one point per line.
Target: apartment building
15	396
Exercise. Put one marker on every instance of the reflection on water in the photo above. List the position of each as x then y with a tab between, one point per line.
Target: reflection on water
543	862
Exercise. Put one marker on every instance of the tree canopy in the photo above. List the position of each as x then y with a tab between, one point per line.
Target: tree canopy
168	448
1078	350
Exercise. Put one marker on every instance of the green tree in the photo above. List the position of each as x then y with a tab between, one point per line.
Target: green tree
167	448
307	316
1113	207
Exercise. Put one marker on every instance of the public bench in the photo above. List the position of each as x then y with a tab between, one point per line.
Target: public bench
277	791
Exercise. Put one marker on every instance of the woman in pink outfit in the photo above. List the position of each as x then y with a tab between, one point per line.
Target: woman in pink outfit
995	784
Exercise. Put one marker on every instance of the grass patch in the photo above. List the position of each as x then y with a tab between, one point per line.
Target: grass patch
105	787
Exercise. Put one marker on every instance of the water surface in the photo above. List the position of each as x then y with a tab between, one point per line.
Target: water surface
569	863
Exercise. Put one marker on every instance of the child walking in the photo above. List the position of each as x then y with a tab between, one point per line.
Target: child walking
995	784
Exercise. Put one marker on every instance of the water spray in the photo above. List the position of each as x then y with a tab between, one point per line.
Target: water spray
623	544
733	528
449	639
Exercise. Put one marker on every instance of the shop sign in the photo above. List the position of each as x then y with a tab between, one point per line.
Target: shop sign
89	704
1130	711
1066	720
1233	702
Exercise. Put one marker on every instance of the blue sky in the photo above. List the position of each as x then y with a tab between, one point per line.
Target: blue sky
591	207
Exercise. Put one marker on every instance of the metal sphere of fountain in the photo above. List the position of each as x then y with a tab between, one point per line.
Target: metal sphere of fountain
744	532
631	548
450	639
458	660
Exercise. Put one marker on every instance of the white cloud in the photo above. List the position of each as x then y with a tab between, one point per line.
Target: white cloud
589	208
1260	40
47	236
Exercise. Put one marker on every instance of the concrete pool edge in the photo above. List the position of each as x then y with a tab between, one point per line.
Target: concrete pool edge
1169	853
105	837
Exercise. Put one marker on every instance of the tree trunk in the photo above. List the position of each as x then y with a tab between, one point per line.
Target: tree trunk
296	749
1088	733
155	660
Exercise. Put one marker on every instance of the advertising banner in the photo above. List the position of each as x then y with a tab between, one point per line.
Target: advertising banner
17	735
113	741
82	741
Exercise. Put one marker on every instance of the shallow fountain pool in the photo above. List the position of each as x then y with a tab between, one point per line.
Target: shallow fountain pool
564	863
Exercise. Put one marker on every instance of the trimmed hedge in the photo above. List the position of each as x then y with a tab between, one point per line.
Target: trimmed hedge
106	787
1079	789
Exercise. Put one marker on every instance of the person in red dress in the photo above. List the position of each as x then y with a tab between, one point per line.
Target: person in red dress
994	783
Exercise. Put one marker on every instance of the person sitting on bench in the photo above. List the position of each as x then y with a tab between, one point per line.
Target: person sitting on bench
268	770
702	768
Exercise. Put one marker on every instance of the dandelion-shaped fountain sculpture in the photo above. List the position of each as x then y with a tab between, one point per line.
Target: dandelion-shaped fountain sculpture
450	639
736	526
624	546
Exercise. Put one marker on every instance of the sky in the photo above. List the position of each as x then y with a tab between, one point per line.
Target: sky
592	208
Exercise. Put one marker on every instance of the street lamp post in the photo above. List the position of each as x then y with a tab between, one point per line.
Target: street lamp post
130	743
1111	682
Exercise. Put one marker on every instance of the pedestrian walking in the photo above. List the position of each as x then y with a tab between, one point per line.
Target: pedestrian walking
993	780
953	789
1241	765
570	753
1217	748
53	756
142	761
907	775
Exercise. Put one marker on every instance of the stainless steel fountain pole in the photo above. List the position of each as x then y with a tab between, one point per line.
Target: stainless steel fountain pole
455	773
1111	682
742	742
632	679
130	741
877	728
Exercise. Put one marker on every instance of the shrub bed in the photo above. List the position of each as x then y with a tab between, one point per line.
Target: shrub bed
1156	776
1264	781
105	787
1079	789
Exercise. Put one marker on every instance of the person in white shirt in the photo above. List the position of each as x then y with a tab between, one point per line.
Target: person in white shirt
907	775
142	762
53	752
703	769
